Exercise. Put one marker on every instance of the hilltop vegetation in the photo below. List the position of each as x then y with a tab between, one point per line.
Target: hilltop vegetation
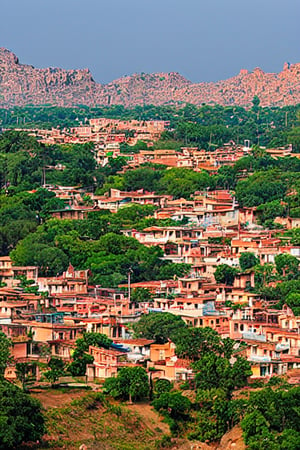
205	126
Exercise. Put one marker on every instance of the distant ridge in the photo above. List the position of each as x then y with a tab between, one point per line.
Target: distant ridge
22	84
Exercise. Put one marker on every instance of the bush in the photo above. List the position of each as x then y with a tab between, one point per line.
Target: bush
21	419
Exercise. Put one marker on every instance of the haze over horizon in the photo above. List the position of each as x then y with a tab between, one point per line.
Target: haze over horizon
203	41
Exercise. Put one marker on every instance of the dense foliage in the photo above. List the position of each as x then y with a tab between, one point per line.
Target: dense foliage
272	420
206	126
21	419
131	383
158	326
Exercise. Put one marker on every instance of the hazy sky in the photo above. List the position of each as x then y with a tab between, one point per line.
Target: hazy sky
204	40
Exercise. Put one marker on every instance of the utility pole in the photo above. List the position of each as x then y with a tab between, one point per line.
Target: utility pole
129	283
44	176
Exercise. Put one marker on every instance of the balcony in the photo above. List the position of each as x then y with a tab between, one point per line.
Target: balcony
257	358
254	336
282	347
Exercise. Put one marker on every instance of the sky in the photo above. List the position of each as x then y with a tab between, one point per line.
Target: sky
204	40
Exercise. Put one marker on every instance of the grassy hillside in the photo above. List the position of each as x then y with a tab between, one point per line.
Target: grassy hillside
86	418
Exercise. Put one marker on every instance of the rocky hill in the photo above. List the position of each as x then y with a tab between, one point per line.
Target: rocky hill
22	84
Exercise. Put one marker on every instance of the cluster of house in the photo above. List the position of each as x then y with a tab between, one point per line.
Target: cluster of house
47	317
106	133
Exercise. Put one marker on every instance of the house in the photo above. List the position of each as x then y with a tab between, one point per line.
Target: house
106	363
165	364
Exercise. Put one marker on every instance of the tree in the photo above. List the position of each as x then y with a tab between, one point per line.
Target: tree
173	404
215	414
143	178
270	210
225	274
50	260
56	366
158	326
214	371
171	270
248	260
261	187
22	371
287	265
272	419
255	103
161	386
293	301
193	343
263	274
182	182
141	295
21	419
5	346
289	439
131	383
94	340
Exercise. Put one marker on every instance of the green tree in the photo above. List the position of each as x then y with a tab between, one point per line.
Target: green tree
56	366
289	439
141	295
143	178
21	419
261	187
293	301
158	326
214	371
225	274
193	343
171	270
161	386
287	265
5	346
270	210
131	383
263	274
215	414
22	371
248	260
174	404
272	419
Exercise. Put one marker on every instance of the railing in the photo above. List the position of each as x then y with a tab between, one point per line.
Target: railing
256	358
254	336
282	347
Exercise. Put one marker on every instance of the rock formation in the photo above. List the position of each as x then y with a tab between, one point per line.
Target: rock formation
22	84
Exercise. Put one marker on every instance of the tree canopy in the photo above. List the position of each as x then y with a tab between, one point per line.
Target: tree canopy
131	383
158	326
21	419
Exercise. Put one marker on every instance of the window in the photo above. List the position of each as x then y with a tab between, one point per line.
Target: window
161	355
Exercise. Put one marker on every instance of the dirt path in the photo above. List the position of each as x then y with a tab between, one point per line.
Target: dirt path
54	398
151	417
